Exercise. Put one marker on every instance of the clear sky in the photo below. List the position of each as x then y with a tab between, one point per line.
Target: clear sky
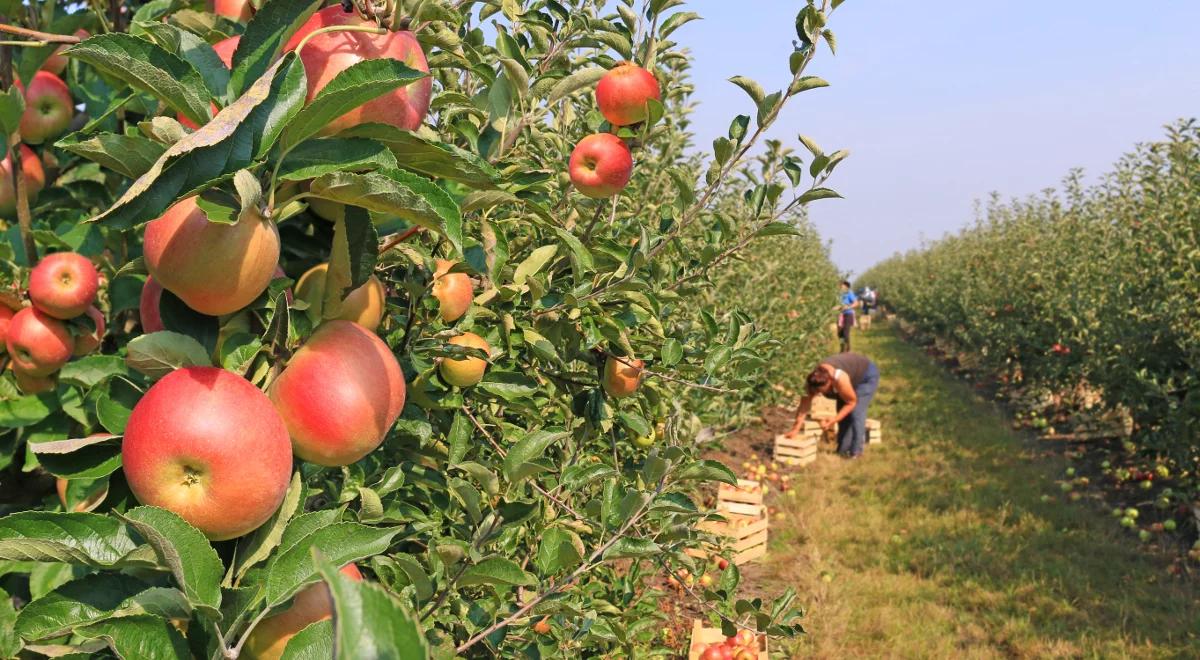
944	101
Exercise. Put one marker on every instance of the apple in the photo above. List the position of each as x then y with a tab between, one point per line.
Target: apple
454	291
236	10
35	180
38	343
92	501
722	563
86	343
214	268
209	446
600	165
33	384
364	305
326	55
1169	525
622	376
542	627
467	371
339	394
312	604
623	94
48	109
64	284
6	314
57	63
706	580
717	652
148	306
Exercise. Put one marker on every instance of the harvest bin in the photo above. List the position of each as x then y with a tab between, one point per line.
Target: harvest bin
703	636
874	432
746	499
796	451
745	521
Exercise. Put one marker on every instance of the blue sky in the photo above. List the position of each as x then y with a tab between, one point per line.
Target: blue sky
944	101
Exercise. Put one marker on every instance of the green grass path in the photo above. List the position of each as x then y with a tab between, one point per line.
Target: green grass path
937	544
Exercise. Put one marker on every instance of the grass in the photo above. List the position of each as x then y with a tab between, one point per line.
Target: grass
937	543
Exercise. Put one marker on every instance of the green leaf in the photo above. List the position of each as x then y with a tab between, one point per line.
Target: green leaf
313	642
811	145
671	352
10	643
143	637
258	545
434	159
27	410
368	622
818	193
184	551
412	198
159	353
496	571
292	567
94	598
313	158
74	538
766	106
458	438
195	51
128	155
752	88
351	260
576	81
147	67
676	21
534	263
82	458
91	370
266	34
354	86
708	470
526	450
627	547
558	551
12	106
779	229
805	83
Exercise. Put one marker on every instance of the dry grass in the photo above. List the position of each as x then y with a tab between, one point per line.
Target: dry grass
937	544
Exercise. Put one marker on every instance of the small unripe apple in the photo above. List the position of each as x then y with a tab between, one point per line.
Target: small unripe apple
645	441
364	305
35	180
623	94
1169	524
38	343
48	108
64	284
722	563
600	165
33	384
87	342
706	580
467	371
207	445
339	394
312	604
454	291
622	375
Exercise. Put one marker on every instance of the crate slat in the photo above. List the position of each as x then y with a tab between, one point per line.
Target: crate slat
747	492
874	432
795	451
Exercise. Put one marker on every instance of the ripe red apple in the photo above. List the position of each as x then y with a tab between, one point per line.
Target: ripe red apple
38	343
453	291
29	384
467	371
340	394
209	446
364	305
224	49
86	343
148	310
314	603
35	180
63	284
6	314
57	63
722	563
622	376
600	165
214	268
48	108
326	55
717	651
624	92
236	10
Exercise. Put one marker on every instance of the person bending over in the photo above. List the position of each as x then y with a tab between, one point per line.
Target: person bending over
851	379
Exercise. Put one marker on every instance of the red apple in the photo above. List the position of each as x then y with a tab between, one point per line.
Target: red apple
57	63
467	371
35	180
624	92
622	376
454	291
48	108
340	394
600	165
717	652
722	563
364	305
314	603
236	10
38	343
209	446
33	384
64	284
326	55
6	314
148	310
214	268
86	343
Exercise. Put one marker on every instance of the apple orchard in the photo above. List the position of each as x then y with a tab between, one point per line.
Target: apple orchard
381	330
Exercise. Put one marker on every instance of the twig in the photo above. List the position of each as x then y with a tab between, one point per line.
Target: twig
40	36
399	239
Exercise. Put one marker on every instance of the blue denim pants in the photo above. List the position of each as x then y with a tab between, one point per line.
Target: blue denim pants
852	431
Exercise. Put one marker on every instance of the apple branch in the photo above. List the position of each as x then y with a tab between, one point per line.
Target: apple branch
44	37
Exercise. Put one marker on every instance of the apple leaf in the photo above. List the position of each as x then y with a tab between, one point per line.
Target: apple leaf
159	353
94	598
430	157
27	410
292	568
629	547
91	370
352	87
185	552
195	51
12	106
266	34
497	570
368	622
148	67
74	538
351	259
313	642
313	158
527	449
143	637
82	458
258	545
558	550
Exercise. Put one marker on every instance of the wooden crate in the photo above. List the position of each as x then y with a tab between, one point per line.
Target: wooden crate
822	407
797	451
746	499
746	534
702	636
874	432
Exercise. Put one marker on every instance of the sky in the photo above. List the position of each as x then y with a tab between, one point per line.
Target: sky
944	101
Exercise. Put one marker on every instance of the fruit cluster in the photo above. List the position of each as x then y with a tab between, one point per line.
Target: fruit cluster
745	645
769	473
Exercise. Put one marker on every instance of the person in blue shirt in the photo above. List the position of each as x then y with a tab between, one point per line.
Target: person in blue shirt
846	315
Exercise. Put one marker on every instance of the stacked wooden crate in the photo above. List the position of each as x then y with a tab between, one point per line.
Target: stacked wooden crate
874	432
799	450
745	520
